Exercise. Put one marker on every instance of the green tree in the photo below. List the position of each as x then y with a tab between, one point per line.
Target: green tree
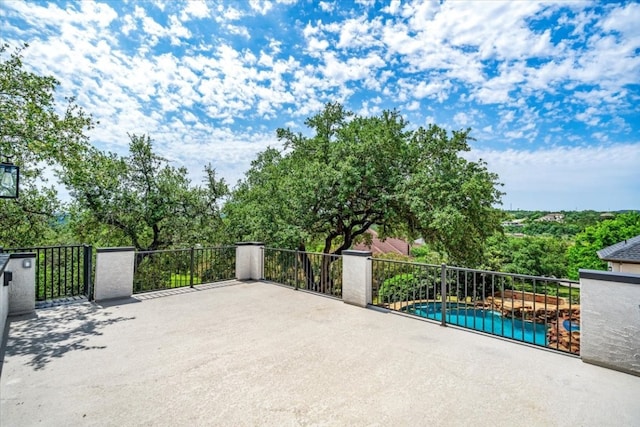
583	254
535	256
354	172
35	137
149	203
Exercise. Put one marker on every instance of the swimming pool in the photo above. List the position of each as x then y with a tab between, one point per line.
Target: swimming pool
483	320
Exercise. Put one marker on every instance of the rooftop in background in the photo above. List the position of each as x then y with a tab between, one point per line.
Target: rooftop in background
260	354
389	245
626	251
552	217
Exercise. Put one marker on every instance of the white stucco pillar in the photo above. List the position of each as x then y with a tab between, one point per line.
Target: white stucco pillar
610	320
249	260
356	277
114	273
22	290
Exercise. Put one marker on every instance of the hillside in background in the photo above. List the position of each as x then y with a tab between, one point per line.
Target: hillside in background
565	224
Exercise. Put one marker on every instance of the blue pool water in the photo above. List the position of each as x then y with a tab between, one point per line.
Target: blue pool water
483	320
571	326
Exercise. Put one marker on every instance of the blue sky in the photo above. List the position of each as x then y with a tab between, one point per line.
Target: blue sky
550	89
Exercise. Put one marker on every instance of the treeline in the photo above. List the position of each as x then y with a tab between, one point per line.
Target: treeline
532	223
552	254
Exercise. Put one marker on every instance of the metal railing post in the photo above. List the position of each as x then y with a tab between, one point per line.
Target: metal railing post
191	269
443	293
295	271
88	288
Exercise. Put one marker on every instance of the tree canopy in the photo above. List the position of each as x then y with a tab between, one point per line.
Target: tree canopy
583	254
34	136
354	172
148	202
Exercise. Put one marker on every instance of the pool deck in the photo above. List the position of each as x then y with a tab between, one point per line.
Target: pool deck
244	354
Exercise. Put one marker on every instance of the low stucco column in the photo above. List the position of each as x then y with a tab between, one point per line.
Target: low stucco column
356	277
610	320
22	290
4	295
114	273
249	260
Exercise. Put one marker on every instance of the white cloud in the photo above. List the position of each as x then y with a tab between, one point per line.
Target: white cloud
393	7
227	14
433	89
327	6
480	64
239	30
261	6
359	32
462	119
624	20
195	9
412	106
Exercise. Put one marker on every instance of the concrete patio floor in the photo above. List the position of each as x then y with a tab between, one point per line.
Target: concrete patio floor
259	354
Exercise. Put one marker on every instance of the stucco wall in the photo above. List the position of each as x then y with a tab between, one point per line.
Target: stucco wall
624	267
249	261
4	295
114	273
22	291
356	277
610	319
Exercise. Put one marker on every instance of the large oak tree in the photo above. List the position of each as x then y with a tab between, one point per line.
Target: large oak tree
147	202
355	172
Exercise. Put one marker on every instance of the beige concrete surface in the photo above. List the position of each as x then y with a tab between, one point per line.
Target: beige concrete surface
259	354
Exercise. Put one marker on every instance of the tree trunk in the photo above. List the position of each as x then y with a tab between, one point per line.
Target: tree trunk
307	268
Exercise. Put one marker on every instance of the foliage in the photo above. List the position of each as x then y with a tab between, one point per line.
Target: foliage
535	256
35	137
425	254
583	254
354	172
398	288
144	199
572	224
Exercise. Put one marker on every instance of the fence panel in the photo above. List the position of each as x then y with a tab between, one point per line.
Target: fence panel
541	311
314	272
61	271
176	268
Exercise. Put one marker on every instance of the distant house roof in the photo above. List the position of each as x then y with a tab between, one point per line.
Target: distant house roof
552	217
626	251
390	245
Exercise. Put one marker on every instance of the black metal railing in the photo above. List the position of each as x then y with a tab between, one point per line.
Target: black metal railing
176	268
315	272
61	271
542	311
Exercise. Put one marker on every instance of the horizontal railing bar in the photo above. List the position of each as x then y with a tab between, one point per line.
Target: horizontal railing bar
31	248
303	252
195	248
515	275
472	270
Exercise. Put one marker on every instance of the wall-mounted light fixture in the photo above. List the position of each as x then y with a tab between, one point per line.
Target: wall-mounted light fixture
9	180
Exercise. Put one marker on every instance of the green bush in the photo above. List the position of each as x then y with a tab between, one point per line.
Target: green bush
403	287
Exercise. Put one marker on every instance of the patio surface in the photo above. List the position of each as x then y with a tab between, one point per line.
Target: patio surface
260	354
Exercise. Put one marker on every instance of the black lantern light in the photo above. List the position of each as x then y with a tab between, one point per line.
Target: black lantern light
9	180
